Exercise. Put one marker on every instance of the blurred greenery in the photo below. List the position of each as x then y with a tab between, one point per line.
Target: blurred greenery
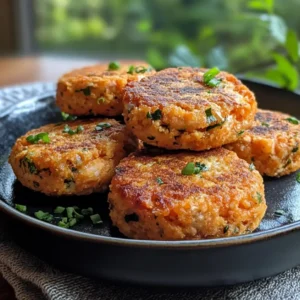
252	37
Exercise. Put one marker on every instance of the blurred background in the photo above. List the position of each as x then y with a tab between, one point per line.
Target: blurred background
257	38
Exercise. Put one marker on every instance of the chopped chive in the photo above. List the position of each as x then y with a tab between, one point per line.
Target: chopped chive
70	211
44	216
100	100
209	77
215	125
87	211
259	197
96	219
43	136
67	117
293	120
59	210
101	126
252	167
114	65
298	177
21	208
189	169
64	219
78	215
131	70
72	222
209	116
241	132
154	116
159	181
265	124
70	131
86	91
63	224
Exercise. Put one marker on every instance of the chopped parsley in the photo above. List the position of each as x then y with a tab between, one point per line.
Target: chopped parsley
86	91
209	116
159	181
59	210
21	208
154	116
70	131
100	100
44	216
101	126
30	165
68	117
113	66
265	124
298	177
252	167
293	120
193	168
209	77
43	136
96	219
259	197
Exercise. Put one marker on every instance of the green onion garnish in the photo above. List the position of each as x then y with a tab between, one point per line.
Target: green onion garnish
154	116
78	215
159	181
59	210
258	197
209	77
252	167
44	216
43	136
101	126
70	211
240	133
72	222
86	91
188	169
87	211
21	208
70	131
63	224
265	124
100	100
114	65
295	149
209	116
96	219
293	120
67	117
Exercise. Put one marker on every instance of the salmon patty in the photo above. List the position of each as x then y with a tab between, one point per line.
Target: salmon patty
98	89
186	196
74	158
185	108
272	144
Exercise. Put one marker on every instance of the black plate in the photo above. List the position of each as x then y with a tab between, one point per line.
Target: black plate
101	251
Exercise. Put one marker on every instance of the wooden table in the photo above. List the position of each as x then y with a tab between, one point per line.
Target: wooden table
16	70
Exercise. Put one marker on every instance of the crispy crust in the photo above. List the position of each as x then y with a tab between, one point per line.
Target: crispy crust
272	144
221	201
105	89
76	164
183	100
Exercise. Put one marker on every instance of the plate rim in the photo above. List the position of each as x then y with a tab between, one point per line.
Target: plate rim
179	244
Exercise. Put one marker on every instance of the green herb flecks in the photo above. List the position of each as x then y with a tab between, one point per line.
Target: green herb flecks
259	197
289	161
209	77
293	120
265	124
43	136
27	162
252	167
87	211
100	100
113	66
154	116
68	117
193	168
215	125
209	116
159	181
59	210
102	126
295	149
240	133
96	219
86	91
44	216
139	70
70	131
21	208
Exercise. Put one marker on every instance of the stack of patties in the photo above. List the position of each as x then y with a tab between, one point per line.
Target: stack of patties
78	157
201	190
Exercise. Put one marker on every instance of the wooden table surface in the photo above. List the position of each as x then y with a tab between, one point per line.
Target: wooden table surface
17	70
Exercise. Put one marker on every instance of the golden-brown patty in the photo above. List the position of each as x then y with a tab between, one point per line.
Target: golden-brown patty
175	109
96	90
150	198
76	161
272	144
